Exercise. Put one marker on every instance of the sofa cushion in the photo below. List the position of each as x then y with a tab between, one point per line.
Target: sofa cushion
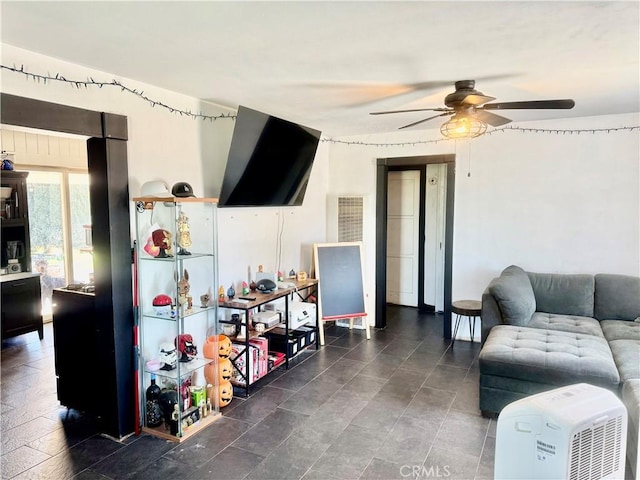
626	354
548	357
512	290
620	330
568	294
617	297
567	323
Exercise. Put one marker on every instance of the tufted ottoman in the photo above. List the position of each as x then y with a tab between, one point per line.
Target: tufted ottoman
516	362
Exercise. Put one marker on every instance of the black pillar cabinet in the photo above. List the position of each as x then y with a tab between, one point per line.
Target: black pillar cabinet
109	195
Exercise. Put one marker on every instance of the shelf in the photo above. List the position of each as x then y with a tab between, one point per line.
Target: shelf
291	348
191	224
281	361
186	368
262	298
171	259
13	222
196	310
191	430
252	333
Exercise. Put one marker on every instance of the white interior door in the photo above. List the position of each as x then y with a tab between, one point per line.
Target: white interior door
403	221
436	188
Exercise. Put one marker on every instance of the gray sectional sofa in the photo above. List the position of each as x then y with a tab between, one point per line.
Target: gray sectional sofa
541	331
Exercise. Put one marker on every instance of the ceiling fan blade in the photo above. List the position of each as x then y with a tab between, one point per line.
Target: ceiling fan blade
363	93
439	109
491	118
564	104
476	100
426	120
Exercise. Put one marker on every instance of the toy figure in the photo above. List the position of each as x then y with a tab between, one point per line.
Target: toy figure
204	300
162	240
150	248
184	235
184	299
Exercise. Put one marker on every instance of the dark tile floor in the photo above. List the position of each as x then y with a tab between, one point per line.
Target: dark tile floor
401	405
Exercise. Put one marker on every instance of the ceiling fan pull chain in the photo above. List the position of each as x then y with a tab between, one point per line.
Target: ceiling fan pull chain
469	159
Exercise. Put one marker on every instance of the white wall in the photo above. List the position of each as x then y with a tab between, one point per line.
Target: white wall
173	148
259	236
161	145
548	202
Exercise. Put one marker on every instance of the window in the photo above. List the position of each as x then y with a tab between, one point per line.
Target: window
60	229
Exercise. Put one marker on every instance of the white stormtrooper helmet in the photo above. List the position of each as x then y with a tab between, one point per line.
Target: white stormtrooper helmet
167	356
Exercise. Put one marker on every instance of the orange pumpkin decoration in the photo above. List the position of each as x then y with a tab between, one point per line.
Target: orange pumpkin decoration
211	372
225	370
217	346
221	370
223	393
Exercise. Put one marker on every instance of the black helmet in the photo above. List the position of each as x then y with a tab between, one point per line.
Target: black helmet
182	189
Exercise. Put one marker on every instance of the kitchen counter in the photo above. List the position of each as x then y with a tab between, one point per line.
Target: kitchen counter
9	277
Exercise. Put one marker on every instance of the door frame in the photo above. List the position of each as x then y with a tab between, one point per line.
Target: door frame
109	194
384	165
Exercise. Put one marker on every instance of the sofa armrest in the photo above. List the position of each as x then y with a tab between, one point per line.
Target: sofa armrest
491	314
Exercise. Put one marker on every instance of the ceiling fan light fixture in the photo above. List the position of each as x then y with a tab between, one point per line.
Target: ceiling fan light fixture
463	127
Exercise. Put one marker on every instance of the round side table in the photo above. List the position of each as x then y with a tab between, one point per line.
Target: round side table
466	308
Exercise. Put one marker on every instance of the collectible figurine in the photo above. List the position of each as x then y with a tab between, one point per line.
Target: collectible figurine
245	288
204	300
187	350
184	235
231	292
150	248
184	299
221	293
162	240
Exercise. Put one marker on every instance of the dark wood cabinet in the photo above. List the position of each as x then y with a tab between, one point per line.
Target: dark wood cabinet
75	343
21	304
14	215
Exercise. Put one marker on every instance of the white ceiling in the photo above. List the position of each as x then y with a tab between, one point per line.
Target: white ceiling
328	64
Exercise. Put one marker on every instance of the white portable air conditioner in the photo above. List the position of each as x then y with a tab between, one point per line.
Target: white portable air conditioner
576	432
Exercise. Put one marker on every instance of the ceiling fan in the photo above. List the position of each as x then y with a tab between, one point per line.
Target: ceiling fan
470	106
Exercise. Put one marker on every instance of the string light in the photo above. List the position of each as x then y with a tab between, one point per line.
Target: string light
557	131
90	82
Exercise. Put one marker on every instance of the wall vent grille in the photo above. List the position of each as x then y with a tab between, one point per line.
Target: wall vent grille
350	215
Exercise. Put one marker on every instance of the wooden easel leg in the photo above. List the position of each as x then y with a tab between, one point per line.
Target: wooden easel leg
365	321
351	324
321	332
